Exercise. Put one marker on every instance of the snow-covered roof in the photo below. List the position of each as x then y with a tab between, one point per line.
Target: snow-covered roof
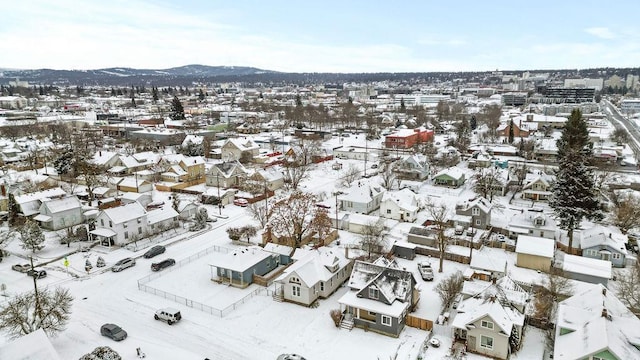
278	249
361	192
63	204
595	320
316	265
537	246
583	265
453	172
124	213
405	199
158	215
473	309
240	260
600	235
395	309
32	346
483	262
39	195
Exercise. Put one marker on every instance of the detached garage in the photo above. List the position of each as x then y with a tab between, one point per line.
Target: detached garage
534	252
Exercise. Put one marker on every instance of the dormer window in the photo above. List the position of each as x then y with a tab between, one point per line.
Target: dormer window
475	211
373	293
539	221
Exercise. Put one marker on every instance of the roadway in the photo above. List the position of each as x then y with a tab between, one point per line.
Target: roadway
621	122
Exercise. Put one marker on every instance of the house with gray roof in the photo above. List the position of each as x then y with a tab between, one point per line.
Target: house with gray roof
479	211
532	222
601	243
380	297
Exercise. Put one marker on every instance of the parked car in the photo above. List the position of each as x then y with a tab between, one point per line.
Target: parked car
456	301
154	251
290	357
162	264
23	268
425	270
241	202
38	274
113	332
123	264
169	315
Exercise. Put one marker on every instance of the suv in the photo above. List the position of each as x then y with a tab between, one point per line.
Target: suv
425	271
154	251
170	315
123	264
162	264
113	332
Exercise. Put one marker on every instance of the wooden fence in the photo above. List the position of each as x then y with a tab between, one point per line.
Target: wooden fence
435	253
419	323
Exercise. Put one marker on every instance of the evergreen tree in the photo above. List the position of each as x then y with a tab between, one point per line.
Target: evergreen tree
154	93
177	111
511	131
201	95
574	194
403	107
473	123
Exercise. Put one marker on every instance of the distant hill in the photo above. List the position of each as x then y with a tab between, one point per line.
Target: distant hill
123	75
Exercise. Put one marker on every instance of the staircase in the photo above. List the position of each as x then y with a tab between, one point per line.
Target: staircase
278	296
347	322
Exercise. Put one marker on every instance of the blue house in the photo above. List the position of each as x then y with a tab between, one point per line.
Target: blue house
239	267
601	243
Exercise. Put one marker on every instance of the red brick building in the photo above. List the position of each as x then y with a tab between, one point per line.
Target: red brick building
407	138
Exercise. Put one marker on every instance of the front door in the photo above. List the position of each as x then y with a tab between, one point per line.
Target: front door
471	344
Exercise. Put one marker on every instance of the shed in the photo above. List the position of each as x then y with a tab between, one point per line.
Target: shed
593	271
534	252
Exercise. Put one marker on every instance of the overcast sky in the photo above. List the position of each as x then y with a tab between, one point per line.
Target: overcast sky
321	36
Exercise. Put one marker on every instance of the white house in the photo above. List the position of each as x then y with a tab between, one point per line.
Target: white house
399	205
314	274
120	225
162	219
362	197
60	213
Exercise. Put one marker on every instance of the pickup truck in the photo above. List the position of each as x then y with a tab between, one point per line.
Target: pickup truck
425	271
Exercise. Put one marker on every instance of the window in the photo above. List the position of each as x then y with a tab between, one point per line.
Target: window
295	290
486	324
140	230
486	342
373	293
101	222
478	221
386	320
539	222
126	234
388	211
475	211
110	223
321	285
616	256
124	225
139	221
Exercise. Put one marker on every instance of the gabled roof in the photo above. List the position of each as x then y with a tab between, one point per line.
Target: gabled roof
241	260
483	262
124	213
33	346
59	205
483	204
162	214
361	192
454	173
476	308
596	320
587	266
505	289
392	282
600	235
404	199
316	265
537	246
541	177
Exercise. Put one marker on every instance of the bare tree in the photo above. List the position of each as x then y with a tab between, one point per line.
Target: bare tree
45	309
351	174
619	136
290	218
626	212
554	286
321	224
439	214
294	173
259	212
31	236
629	288
449	287
372	241
387	176
486	181
491	117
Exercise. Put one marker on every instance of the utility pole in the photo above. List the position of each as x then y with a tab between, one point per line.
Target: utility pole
218	186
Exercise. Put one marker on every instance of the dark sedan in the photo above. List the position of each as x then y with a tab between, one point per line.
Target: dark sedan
154	251
162	264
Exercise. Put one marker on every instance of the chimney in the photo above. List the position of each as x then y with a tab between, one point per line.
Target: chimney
529	117
100	152
346	252
604	291
604	313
